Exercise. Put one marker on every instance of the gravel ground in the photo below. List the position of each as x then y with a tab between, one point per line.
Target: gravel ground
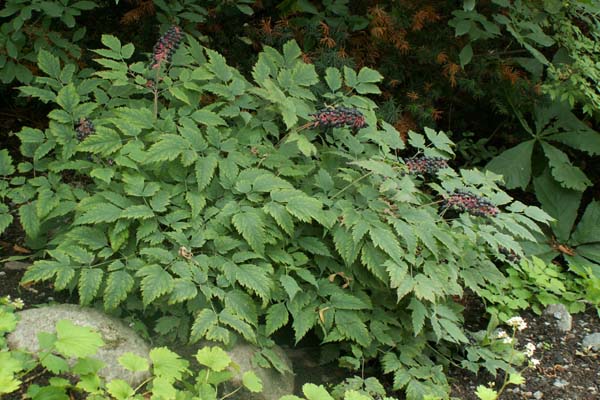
566	370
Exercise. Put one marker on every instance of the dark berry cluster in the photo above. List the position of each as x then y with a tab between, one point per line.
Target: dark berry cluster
426	165
337	117
510	255
84	129
463	200
166	46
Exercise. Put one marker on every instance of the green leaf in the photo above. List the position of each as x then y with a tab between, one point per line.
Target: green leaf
386	241
119	389
563	171
105	141
76	341
514	164
281	216
68	98
214	358
314	392
56	365
277	317
112	43
465	55
250	225
8	321
305	208
560	203
255	279
291	52
486	393
29	219
99	212
333	77
208	118
104	174
353	327
156	282
588	140
368	75
6	167
118	285
252	382
89	283
49	63
236	323
133	362
140	211
205	169
182	290
588	229
167	364
204	320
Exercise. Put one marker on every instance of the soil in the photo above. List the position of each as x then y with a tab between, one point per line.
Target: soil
565	372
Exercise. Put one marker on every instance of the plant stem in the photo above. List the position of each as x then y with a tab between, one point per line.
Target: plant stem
350	184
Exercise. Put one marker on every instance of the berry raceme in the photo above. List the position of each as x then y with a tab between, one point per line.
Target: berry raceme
166	46
339	116
84	129
425	165
510	255
463	200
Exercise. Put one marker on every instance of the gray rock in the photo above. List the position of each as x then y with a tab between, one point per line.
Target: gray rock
560	383
591	341
275	384
118	337
16	265
538	395
564	320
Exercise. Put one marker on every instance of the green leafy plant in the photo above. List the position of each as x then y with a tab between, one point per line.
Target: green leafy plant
217	204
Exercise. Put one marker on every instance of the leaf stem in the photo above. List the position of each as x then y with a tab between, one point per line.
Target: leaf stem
354	182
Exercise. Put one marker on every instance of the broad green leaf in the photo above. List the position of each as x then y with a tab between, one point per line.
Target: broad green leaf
99	212
419	312
118	285
8	321
55	364
6	167
314	392
104	174
156	282
133	362
29	219
333	77
588	141
256	279
208	118
291	52
203	321
353	327
237	324
559	202
465	55
214	358
112	43
205	169
167	364
105	141
368	75
182	290
486	393
140	211
252	382
49	63
76	341
386	241
68	98
251	226
277	317
119	389
89	283
588	229
290	286
563	171
514	164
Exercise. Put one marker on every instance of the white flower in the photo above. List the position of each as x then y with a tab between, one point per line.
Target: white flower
507	340
18	303
500	334
534	361
529	349
517	322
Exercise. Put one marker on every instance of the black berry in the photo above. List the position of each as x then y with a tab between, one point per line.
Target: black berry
166	46
337	117
84	129
465	201
425	165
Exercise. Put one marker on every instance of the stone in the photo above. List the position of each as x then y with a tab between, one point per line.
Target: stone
275	384
16	265
591	341
560	383
117	336
564	320
538	395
